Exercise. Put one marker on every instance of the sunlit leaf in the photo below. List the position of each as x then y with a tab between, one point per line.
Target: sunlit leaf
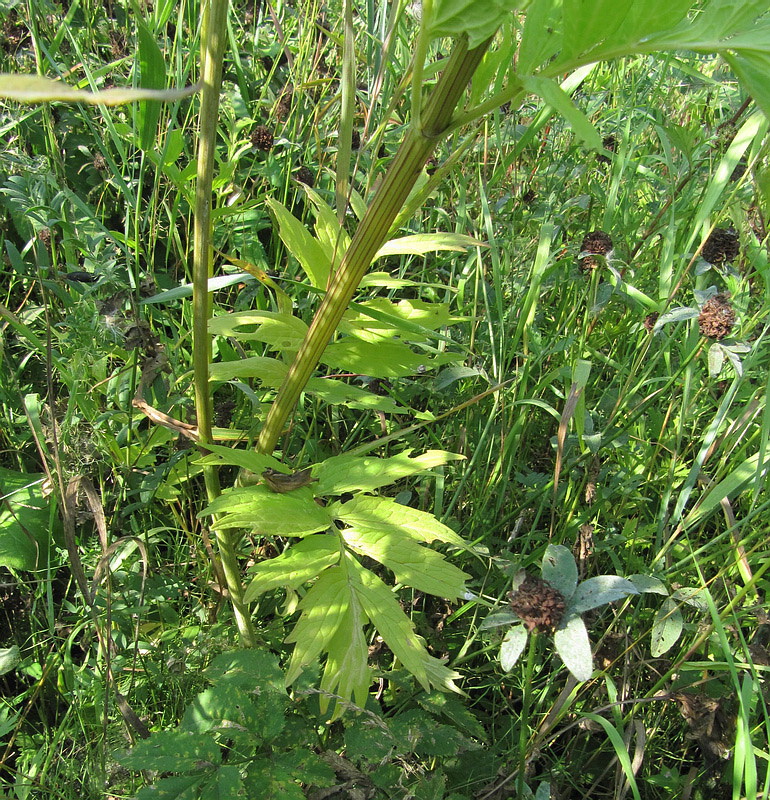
666	628
560	569
347	473
422	243
37	89
478	19
382	515
301	244
599	590
300	563
383	359
513	645
572	644
411	563
269	513
323	609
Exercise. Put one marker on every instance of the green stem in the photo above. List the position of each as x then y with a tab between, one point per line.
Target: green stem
213	46
372	232
526	704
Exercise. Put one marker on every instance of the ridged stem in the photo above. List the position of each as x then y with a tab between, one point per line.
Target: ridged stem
372	232
212	53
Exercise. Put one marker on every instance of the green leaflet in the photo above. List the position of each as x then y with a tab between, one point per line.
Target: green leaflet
479	19
383	359
268	513
380	515
301	244
347	671
295	566
280	331
411	563
397	630
323	610
348	473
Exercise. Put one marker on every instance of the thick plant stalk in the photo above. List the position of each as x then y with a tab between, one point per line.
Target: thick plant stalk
372	232
213	45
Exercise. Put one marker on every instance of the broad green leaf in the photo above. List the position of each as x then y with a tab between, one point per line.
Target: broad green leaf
597	591
337	392
382	608
411	563
301	244
347	672
178	787
560	101
453	709
225	785
587	23
378	515
384	359
512	647
246	459
421	243
37	89
645	19
347	473
571	642
716	358
717	23
25	520
560	570
478	19
174	751
247	669
692	596
382	318
242	714
268	513
280	331
297	565
752	68
666	628
332	237
269	371
541	37
323	609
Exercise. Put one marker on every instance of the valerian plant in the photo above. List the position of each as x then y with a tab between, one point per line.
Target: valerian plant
337	520
554	603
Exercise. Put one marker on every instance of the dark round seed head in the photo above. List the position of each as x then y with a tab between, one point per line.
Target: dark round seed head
722	246
537	604
717	317
262	138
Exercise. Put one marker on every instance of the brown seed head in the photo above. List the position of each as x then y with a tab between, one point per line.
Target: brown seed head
595	243
722	246
717	317
537	604
262	138
305	175
650	320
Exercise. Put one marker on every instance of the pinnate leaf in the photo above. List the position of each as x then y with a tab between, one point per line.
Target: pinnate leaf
346	473
382	515
323	611
298	564
411	563
256	507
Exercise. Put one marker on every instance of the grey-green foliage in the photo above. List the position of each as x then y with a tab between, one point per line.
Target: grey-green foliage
570	636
